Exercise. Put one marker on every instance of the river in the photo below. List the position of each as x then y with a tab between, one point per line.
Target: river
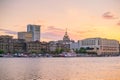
80	68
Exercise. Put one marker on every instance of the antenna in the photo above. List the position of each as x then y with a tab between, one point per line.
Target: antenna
66	30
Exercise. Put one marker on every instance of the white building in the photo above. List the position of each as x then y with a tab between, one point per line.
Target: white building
101	46
74	46
35	29
27	36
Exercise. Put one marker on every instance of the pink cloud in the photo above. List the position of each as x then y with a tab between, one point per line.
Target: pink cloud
53	33
118	23
87	31
54	28
8	31
109	15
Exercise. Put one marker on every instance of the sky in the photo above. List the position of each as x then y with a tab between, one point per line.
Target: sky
82	18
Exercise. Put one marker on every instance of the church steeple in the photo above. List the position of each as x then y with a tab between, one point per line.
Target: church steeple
66	32
66	37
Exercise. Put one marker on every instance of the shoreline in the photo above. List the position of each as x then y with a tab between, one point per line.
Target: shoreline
61	57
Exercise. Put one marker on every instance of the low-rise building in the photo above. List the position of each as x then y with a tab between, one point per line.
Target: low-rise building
10	45
44	47
19	46
53	45
6	43
36	47
74	46
101	46
33	47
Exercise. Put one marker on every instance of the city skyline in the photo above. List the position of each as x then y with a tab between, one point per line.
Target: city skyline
82	18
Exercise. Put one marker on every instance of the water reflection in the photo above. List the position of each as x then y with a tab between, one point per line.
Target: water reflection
60	68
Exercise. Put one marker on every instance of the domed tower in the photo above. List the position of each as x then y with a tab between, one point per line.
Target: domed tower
66	37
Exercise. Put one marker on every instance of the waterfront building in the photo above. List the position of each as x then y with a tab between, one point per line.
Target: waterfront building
19	46
6	43
74	46
53	45
35	30
37	47
33	47
27	36
101	46
44	47
10	45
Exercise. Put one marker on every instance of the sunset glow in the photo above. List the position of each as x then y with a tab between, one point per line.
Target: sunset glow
82	18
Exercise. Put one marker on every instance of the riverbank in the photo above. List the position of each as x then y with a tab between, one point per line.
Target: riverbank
52	55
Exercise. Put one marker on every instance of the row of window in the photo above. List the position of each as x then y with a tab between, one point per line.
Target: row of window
88	43
109	49
104	53
34	48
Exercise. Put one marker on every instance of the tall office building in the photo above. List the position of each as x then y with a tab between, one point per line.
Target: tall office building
35	29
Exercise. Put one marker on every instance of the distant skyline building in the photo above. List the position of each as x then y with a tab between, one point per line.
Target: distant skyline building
35	30
27	36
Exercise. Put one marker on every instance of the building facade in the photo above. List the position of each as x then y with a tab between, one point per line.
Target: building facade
36	47
53	45
27	36
19	46
35	30
6	43
101	46
33	47
10	45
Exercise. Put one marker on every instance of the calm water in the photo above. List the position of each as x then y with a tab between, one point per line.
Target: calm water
95	68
